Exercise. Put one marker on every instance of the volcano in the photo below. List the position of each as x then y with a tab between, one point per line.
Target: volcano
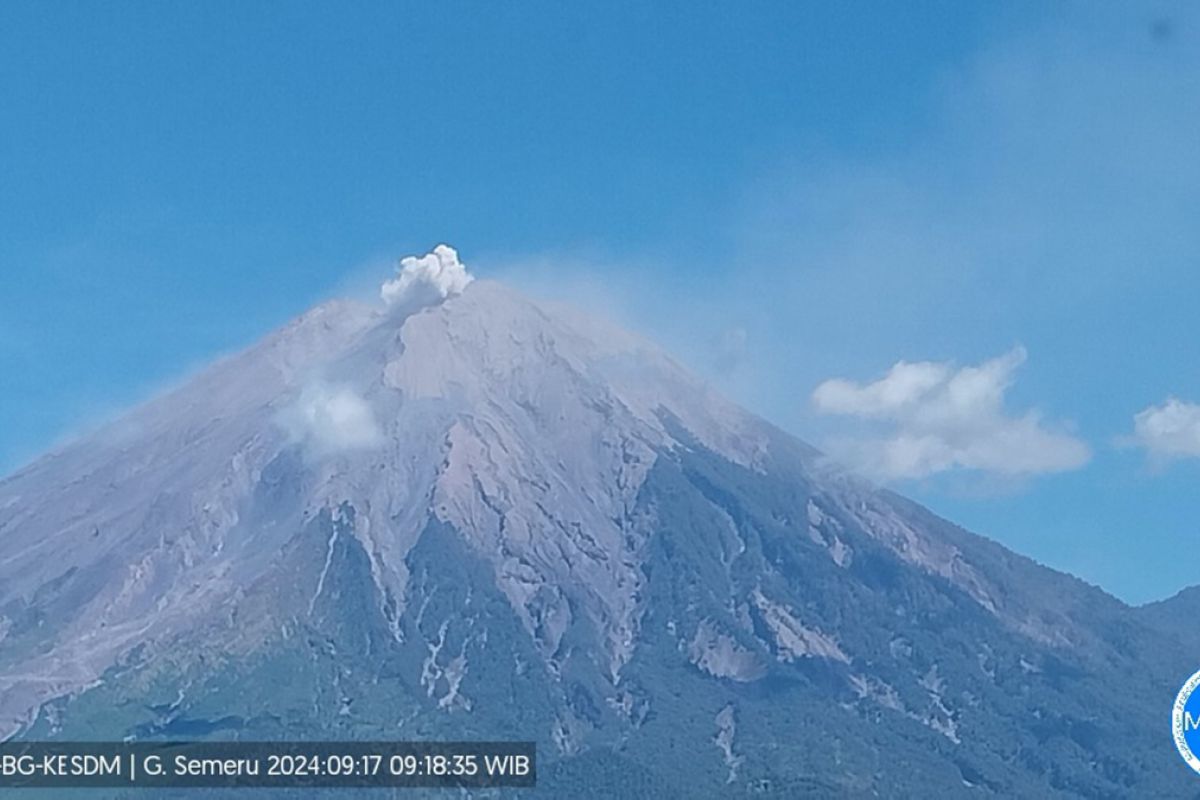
470	515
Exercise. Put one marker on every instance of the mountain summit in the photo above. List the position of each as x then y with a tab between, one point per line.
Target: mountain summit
469	515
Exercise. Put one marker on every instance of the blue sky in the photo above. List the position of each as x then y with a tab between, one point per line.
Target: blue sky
782	193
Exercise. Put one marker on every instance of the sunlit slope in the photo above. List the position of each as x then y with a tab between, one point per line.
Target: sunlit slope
496	519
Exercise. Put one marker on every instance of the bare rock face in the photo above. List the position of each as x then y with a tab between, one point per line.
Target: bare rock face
530	433
470	515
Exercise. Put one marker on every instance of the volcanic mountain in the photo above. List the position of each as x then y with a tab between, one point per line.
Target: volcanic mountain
473	516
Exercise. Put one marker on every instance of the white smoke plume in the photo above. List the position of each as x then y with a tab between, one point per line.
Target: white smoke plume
424	281
331	419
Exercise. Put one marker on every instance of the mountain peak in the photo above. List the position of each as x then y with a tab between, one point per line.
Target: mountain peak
470	514
482	409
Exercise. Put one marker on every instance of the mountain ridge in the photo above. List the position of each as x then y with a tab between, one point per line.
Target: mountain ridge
485	517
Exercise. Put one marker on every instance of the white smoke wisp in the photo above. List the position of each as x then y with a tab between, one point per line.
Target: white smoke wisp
331	419
424	281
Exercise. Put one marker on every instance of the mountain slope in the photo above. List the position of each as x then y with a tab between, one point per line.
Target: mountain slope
1176	616
486	518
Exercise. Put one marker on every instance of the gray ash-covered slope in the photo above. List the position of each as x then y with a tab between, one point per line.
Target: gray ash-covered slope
493	519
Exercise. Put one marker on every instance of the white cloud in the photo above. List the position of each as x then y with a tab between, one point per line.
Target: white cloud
1169	431
946	418
426	280
329	419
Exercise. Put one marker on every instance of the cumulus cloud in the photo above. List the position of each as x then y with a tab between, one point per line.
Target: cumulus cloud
330	419
426	280
1170	431
944	417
